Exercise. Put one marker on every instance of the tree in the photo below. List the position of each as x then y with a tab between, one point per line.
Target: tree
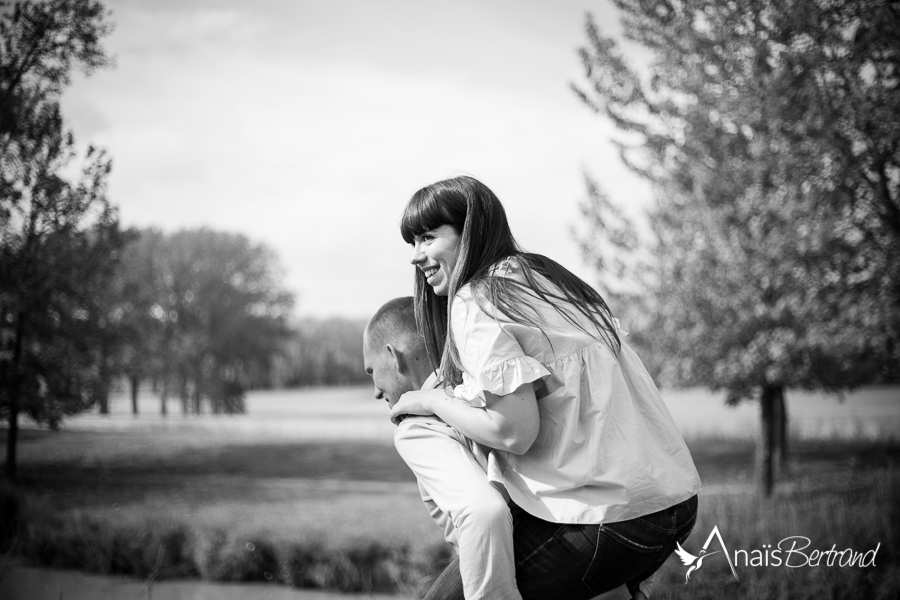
129	338
223	316
771	134
59	236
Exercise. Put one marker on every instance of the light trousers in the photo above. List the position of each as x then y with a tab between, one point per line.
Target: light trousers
474	515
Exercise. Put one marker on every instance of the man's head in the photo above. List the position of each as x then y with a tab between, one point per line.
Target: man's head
393	351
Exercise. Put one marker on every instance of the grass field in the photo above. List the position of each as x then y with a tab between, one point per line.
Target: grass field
342	512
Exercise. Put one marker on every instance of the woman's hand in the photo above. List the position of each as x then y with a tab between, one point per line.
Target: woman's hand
509	422
417	402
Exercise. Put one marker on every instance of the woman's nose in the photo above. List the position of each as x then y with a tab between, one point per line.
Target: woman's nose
417	254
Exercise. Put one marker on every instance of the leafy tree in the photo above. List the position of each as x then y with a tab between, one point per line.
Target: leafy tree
59	236
223	316
129	342
771	134
141	332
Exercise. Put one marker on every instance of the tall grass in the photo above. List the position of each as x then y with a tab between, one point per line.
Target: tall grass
857	513
346	516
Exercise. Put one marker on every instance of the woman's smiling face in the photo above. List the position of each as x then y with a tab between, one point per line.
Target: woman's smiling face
435	253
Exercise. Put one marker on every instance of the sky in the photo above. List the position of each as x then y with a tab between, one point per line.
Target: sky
306	125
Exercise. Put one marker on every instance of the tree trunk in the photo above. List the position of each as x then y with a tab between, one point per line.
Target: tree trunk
12	436
765	464
164	398
104	382
198	377
185	400
104	398
196	399
135	382
782	424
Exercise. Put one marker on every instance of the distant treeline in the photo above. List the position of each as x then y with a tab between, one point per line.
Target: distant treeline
201	314
321	352
84	303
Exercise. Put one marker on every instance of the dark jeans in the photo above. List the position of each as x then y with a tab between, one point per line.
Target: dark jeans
577	562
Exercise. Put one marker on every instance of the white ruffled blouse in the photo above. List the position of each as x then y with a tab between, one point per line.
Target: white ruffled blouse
607	450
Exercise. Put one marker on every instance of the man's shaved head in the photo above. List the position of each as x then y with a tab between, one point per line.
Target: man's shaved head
395	322
394	352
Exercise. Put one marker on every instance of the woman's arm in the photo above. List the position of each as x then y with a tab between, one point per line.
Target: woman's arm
509	422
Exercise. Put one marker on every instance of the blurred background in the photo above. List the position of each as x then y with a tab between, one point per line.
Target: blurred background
199	209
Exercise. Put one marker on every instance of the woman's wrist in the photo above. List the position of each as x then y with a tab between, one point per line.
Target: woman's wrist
441	401
508	423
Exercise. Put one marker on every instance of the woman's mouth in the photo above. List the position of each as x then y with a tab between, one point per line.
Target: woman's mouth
429	272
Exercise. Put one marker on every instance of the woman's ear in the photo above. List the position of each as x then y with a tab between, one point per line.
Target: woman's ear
398	359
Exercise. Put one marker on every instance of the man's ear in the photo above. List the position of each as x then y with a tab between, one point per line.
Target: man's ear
399	358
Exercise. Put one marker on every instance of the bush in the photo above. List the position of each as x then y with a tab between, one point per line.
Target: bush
300	565
220	557
368	567
79	542
172	549
855	514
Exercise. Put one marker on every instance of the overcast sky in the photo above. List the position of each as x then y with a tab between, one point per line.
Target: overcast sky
308	124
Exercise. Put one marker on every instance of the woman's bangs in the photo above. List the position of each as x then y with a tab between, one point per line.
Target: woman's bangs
423	213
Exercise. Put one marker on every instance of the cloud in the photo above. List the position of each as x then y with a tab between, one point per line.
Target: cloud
307	125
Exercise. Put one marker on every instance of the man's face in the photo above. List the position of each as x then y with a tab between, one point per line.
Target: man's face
390	384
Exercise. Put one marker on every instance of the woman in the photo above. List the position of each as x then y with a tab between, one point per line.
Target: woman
571	426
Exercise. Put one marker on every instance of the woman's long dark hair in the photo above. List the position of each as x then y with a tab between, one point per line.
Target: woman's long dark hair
474	211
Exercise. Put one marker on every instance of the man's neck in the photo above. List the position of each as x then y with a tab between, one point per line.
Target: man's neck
430	381
420	373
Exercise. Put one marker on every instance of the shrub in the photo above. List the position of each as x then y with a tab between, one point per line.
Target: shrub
220	557
299	566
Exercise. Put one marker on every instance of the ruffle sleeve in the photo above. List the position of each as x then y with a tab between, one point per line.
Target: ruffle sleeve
492	357
500	379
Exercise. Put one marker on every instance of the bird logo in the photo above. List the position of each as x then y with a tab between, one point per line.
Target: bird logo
688	559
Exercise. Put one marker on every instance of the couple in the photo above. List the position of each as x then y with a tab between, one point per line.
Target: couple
538	439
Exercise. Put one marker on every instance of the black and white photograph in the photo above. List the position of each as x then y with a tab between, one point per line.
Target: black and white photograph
464	300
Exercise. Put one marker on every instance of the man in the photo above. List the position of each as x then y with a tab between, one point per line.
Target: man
474	514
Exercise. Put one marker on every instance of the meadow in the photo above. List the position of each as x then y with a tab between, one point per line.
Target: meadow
306	490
